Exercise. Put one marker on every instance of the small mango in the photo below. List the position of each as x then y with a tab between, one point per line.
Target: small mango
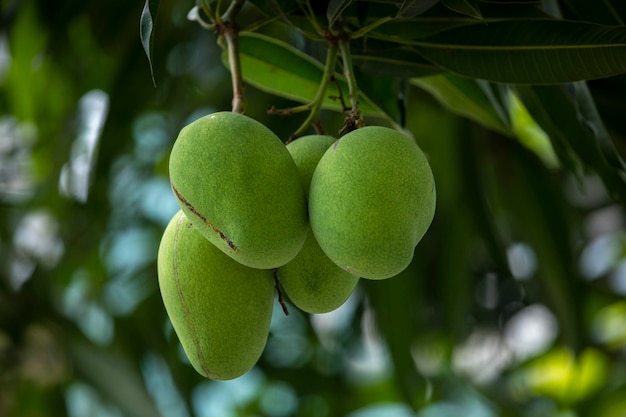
313	282
306	152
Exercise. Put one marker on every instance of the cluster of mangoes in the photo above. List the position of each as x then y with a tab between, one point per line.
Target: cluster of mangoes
315	216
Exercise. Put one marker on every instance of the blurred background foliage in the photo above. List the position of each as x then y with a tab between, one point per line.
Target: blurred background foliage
514	304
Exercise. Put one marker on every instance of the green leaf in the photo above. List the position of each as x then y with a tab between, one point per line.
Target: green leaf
529	51
541	218
467	7
470	98
411	8
589	116
404	30
147	23
278	68
335	8
556	110
290	12
386	59
530	134
606	12
383	91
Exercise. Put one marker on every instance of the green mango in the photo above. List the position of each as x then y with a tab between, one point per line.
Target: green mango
372	198
237	183
220	310
306	152
313	282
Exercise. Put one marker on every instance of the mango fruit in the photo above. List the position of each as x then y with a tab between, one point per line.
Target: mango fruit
236	182
306	152
313	282
220	310
371	200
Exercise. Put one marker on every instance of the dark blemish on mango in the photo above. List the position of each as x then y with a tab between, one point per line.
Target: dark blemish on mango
196	213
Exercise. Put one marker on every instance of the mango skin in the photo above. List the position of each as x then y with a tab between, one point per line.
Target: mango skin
372	198
236	182
220	309
313	282
306	152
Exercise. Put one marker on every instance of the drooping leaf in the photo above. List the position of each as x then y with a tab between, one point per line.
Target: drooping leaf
403	31
411	8
289	12
384	58
481	214
469	98
335	8
383	91
605	12
529	51
588	115
147	24
278	68
410	28
467	7
557	112
529	133
540	217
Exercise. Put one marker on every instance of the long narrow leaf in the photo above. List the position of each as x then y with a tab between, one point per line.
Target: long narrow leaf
335	8
529	51
539	214
393	61
410	8
589	116
147	23
468	98
278	68
556	110
467	7
606	12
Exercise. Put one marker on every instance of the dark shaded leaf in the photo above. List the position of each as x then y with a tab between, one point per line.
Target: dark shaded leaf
411	8
335	8
539	216
403	30
383	91
589	116
529	51
467	7
147	23
474	99
556	110
559	113
384	58
278	68
605	12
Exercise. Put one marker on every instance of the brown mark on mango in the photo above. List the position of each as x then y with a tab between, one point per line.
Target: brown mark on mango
196	213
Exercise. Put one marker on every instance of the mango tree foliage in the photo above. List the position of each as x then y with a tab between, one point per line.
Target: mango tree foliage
513	304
